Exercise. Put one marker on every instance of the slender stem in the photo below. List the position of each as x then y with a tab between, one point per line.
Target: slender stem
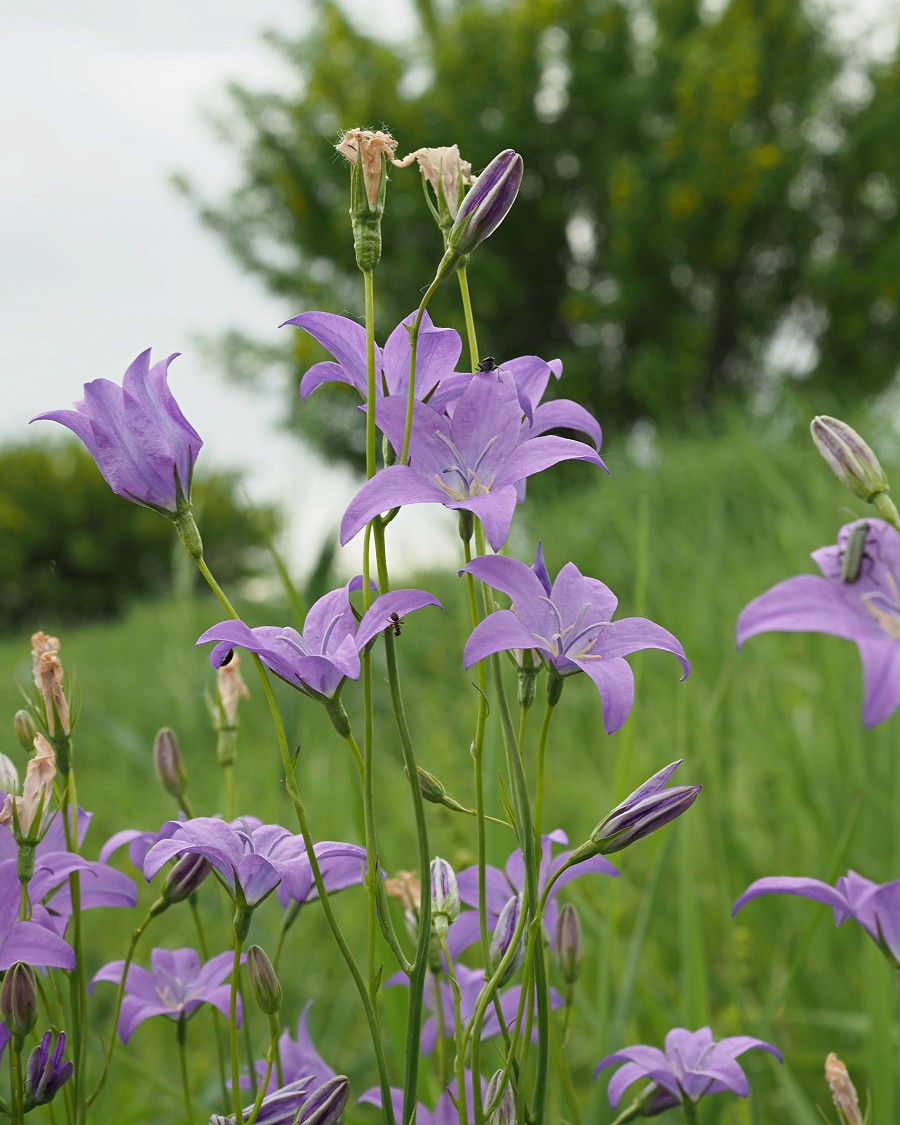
233	1031
690	1112
228	771
467	313
77	982
457	1035
181	1034
371	391
539	784
561	1064
264	1085
411	390
440	1045
17	1087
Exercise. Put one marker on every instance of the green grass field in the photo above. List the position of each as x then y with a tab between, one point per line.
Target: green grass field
792	785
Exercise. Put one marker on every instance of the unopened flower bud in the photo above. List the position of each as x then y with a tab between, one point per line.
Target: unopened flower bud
850	458
567	942
169	766
45	1072
505	1113
184	877
325	1105
25	730
263	981
502	938
444	894
649	807
9	775
487	203
843	1091
18	999
430	787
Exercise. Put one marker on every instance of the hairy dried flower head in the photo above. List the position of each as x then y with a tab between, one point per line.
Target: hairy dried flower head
37	790
445	171
843	1091
366	148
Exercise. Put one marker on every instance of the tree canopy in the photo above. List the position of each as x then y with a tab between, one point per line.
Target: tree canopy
708	207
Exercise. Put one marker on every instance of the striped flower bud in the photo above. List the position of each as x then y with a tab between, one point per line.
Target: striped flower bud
567	942
649	807
849	457
502	938
18	999
325	1105
265	984
505	1112
444	895
184	877
169	766
487	203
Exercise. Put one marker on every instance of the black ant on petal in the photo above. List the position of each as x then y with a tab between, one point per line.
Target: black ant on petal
395	623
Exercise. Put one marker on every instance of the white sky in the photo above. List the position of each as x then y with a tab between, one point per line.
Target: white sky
101	101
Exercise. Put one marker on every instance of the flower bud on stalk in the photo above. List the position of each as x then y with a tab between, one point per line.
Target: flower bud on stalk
368	153
849	457
25	730
263	981
325	1105
46	1073
444	896
18	1000
484	208
504	932
567	942
184	877
505	1113
168	763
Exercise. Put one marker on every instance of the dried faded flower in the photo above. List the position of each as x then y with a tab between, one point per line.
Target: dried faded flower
36	791
366	148
41	643
406	888
231	689
49	680
443	168
842	1091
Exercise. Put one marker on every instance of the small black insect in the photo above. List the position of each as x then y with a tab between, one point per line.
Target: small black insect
227	658
396	622
488	364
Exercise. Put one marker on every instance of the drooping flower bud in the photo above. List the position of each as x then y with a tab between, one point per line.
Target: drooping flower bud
265	984
368	153
843	1092
168	763
505	1113
502	938
325	1104
567	942
9	775
444	895
18	999
25	730
432	790
184	877
649	807
849	457
45	1072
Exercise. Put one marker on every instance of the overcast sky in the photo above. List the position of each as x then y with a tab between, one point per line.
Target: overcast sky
102	101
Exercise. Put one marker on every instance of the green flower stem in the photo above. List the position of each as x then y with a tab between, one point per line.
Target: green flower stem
214	1014
413	344
690	1112
303	821
420	963
467	313
369	282
539	787
136	936
458	1037
77	982
887	509
440	1045
233	1031
181	1034
270	1058
561	1063
17	1087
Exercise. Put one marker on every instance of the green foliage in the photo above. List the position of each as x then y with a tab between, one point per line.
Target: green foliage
71	550
696	183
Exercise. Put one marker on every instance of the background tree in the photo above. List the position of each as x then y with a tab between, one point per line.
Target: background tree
698	184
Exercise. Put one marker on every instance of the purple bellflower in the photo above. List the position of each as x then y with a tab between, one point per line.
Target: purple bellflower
471	982
649	807
142	443
252	859
175	986
692	1065
45	1072
318	660
445	1111
502	885
437	352
863	607
281	1107
33	942
876	906
471	462
569	625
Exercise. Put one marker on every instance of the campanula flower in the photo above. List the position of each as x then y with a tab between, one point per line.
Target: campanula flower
142	443
437	352
175	986
692	1065
570	626
252	859
649	807
501	885
318	660
861	606
471	462
445	1111
876	906
46	1072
